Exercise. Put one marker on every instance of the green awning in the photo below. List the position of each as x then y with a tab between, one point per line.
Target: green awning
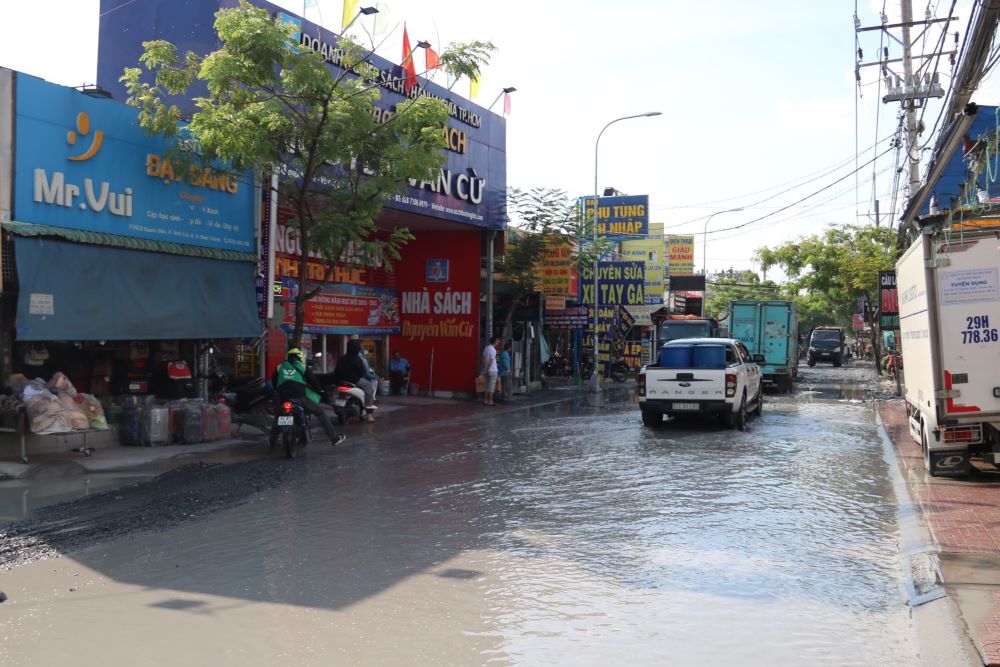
128	242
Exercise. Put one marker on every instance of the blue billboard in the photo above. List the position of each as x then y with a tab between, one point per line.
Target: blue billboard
85	163
471	186
619	217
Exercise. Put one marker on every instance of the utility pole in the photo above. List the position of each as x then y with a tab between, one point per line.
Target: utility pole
909	104
914	86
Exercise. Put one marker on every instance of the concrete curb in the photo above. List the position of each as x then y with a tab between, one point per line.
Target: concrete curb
940	631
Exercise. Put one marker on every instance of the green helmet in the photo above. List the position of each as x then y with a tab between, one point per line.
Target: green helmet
295	352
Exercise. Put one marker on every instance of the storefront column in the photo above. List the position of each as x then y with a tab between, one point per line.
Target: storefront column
490	236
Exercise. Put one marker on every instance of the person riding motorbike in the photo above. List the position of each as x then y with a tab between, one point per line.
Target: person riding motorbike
294	382
353	368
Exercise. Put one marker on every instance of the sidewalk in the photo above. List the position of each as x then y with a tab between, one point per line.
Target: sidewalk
963	516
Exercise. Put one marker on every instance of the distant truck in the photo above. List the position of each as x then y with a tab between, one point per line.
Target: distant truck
672	327
769	328
949	316
826	344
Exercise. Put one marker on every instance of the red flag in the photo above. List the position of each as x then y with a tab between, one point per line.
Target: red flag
433	62
506	104
407	64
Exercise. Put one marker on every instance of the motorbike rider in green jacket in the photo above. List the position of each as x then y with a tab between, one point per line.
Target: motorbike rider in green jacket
294	382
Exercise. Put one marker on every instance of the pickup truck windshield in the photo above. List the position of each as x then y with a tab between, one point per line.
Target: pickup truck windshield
672	330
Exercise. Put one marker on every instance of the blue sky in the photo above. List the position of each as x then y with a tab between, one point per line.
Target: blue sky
754	95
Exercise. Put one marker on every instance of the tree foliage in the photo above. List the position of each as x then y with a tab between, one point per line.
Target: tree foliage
728	286
541	219
269	106
834	268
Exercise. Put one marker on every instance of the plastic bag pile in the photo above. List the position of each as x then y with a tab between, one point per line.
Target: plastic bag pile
56	406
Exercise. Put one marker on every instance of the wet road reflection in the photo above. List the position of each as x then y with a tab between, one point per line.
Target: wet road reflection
562	534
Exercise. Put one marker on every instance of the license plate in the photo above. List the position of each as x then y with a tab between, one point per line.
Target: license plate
685	406
286	420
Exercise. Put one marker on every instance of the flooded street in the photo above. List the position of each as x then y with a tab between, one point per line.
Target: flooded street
565	533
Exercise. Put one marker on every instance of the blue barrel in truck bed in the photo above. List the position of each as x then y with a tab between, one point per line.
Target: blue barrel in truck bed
770	328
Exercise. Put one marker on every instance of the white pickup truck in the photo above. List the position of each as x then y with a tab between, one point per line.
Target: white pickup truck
702	377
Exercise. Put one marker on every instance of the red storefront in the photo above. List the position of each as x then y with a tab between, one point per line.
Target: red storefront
439	282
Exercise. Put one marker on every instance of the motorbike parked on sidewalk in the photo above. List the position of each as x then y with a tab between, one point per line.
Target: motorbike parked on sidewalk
557	366
619	370
251	401
292	422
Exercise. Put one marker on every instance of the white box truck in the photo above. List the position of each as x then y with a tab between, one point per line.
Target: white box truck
949	316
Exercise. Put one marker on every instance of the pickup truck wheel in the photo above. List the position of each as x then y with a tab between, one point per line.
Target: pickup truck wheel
759	407
811	362
650	418
738	419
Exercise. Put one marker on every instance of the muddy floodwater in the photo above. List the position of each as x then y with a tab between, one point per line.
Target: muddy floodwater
565	533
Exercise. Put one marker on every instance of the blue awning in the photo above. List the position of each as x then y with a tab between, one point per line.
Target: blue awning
956	173
76	291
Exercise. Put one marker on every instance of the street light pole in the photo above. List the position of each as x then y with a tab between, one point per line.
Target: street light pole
595	376
704	255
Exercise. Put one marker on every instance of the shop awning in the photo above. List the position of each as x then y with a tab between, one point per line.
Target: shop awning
77	291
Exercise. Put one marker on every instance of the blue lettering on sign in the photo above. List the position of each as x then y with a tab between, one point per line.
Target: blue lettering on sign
977	330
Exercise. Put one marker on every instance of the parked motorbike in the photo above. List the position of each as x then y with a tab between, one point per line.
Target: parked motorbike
557	366
292	422
619	370
251	401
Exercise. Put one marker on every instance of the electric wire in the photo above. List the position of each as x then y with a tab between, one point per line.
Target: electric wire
812	194
777	194
812	176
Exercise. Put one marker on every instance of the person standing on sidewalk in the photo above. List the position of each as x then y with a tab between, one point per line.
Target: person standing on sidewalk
399	372
490	370
504	372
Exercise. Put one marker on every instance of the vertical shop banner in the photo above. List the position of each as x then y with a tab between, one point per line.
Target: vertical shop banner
680	254
624	321
618	217
618	284
648	251
556	270
888	300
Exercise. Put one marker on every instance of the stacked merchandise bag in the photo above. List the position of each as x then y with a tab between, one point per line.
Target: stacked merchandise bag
56	406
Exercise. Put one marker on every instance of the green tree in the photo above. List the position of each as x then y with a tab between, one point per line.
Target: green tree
834	268
271	107
729	286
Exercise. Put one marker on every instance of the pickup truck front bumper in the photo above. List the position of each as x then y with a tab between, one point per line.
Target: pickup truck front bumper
681	407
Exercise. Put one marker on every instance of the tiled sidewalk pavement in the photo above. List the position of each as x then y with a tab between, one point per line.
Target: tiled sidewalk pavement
963	516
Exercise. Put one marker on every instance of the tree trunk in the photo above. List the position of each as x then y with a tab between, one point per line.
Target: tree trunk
300	297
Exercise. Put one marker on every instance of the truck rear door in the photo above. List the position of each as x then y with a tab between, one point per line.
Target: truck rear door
777	328
745	325
968	297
